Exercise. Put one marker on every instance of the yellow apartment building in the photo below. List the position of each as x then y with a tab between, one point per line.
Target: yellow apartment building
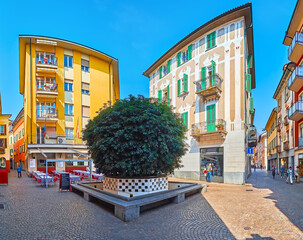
272	140
64	84
207	77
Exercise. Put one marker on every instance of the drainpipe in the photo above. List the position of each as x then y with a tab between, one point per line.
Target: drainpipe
109	79
30	80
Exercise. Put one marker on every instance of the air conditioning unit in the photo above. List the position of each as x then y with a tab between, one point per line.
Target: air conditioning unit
61	140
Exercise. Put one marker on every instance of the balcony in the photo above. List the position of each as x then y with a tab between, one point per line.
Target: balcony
278	128
296	111
209	88
286	146
253	130
47	89
49	114
295	49
252	140
217	127
46	62
54	139
295	82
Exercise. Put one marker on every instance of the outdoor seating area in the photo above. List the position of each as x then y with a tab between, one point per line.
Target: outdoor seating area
41	177
85	174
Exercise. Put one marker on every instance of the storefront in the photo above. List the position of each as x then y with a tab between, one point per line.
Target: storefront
3	171
211	159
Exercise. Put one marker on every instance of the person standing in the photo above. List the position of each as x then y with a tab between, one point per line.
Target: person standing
273	172
261	167
19	171
289	176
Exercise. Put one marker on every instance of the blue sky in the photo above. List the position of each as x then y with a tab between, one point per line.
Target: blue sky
138	33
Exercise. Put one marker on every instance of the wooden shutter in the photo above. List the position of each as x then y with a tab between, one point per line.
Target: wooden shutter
248	82
160	72
213	39
178	87
178	59
168	66
190	49
208	38
203	77
160	96
167	94
186	119
213	73
185	82
249	61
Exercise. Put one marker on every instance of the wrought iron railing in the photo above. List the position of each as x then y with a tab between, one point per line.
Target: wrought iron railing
209	126
208	82
47	87
53	138
296	107
298	39
47	113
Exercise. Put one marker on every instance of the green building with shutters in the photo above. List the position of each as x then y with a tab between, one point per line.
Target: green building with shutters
208	77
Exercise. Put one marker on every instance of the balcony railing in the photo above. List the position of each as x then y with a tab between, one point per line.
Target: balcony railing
218	125
295	82
296	111
49	113
208	82
47	87
253	130
296	47
46	59
52	138
286	146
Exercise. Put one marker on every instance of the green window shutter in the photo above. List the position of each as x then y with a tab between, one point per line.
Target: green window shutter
190	49
178	59
160	96
178	87
186	119
248	82
160	72
168	66
251	104
249	61
213	73
214	39
167	94
185	82
203	77
208	42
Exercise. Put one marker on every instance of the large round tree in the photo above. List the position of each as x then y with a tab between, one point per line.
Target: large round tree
136	137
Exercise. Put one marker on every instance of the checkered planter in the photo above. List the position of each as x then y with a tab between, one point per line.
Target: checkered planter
136	187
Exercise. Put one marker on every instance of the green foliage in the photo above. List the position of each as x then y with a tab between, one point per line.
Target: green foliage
136	137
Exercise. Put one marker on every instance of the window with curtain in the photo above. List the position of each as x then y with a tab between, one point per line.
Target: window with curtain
69	109
69	133
68	61
85	88
85	111
84	65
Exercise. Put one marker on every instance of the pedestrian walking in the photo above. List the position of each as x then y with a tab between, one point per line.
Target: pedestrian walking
255	168
282	171
208	174
261	167
289	176
19	171
273	172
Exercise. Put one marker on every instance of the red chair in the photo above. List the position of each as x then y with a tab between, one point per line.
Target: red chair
55	179
81	178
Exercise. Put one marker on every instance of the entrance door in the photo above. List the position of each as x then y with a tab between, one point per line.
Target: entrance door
211	118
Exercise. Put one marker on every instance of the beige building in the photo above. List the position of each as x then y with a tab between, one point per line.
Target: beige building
285	128
207	78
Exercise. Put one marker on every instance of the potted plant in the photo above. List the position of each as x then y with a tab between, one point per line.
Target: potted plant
135	143
220	126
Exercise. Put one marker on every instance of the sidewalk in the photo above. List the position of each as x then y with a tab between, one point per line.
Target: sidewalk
262	209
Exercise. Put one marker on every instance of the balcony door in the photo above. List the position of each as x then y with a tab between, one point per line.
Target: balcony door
211	117
212	73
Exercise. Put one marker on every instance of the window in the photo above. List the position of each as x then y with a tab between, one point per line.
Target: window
2	129
19	134
19	149
184	119
183	57
69	109
68	61
182	85
85	111
68	86
22	131
286	93
85	88
23	148
84	65
211	40
69	133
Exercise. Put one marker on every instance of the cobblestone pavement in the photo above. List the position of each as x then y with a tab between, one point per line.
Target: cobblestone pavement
262	209
38	213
